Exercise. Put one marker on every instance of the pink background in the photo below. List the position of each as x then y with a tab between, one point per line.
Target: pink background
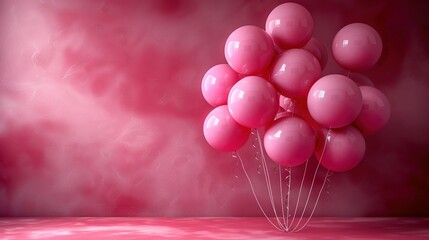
101	112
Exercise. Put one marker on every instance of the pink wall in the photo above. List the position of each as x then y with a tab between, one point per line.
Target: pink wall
101	111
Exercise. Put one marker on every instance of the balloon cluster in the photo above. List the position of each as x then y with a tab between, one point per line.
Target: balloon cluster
273	81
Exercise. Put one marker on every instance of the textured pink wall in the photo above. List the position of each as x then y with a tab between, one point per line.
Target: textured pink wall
101	111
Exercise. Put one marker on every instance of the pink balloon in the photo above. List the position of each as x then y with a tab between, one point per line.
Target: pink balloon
249	50
357	46
345	148
253	102
289	141
361	80
334	101
216	84
316	48
294	72
375	111
290	25
222	132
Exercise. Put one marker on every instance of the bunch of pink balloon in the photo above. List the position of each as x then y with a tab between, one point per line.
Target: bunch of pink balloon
273	82
279	69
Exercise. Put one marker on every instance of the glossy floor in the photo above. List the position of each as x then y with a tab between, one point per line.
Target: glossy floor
209	228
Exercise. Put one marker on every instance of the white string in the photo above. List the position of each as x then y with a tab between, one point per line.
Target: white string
299	195
281	198
285	225
289	170
314	178
267	179
236	155
255	139
315	204
328	181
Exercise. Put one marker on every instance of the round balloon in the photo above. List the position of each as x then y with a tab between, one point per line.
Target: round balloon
294	72
222	132
344	150
289	141
375	111
253	102
334	101
357	46
249	50
316	48
290	25
216	84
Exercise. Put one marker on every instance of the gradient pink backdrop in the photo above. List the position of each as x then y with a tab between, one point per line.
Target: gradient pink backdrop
101	111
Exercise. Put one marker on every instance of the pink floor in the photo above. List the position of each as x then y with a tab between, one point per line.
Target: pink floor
209	228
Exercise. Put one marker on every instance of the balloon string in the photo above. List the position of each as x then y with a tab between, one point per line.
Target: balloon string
267	180
328	136
255	139
299	195
328	181
286	225
291	107
236	155
315	204
289	170
266	173
281	198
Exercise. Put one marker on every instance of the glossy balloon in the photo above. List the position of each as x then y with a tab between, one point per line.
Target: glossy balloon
222	132
294	72
249	50
217	83
357	46
375	111
290	25
334	101
345	148
253	102
315	47
290	141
